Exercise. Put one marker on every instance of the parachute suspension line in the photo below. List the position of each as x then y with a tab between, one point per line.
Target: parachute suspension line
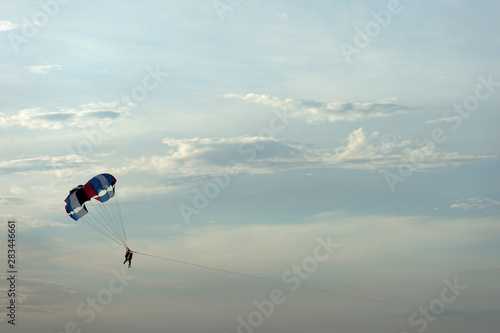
107	219
92	222
115	206
120	218
277	281
115	218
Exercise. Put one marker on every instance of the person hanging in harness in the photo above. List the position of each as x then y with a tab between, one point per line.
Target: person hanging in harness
128	257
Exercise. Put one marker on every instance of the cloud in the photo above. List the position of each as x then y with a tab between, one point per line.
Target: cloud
444	120
137	191
7	25
259	155
29	222
35	203
87	115
191	159
44	69
41	164
314	112
42	296
11	201
476	203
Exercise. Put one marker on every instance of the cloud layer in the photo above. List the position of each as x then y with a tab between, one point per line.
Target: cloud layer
476	203
256	155
314	112
88	115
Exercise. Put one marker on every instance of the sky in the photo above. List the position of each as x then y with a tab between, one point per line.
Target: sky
349	147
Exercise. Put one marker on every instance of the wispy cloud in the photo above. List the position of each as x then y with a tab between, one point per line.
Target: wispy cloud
41	163
30	222
86	115
443	120
476	203
43	69
11	201
7	25
314	112
138	191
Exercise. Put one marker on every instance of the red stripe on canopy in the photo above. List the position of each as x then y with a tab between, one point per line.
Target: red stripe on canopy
90	191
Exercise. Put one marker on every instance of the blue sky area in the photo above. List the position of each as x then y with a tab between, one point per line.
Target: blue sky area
244	136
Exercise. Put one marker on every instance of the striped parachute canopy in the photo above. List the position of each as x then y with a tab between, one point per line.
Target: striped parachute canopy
100	188
95	204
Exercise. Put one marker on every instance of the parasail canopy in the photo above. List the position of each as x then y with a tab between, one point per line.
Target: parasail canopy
95	204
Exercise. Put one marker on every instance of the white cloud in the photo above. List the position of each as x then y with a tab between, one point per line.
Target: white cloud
43	69
257	155
40	164
18	190
358	146
5	201
29	222
444	120
189	157
142	190
314	112
7	25
86	115
476	203
194	158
